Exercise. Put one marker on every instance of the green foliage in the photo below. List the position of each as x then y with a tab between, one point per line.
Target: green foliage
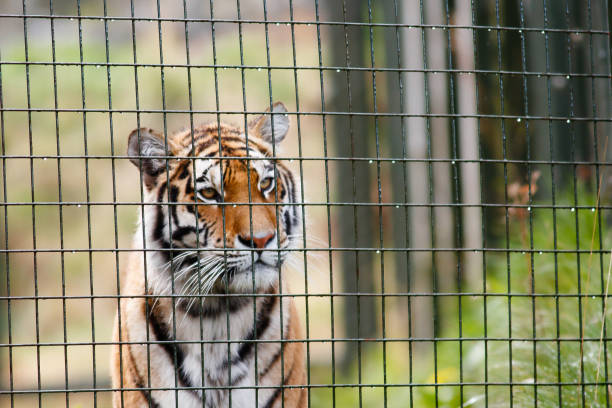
560	322
558	356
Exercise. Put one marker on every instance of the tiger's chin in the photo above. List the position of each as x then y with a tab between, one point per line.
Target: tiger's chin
254	278
248	278
248	274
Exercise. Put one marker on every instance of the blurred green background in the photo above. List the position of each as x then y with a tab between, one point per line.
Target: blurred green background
453	297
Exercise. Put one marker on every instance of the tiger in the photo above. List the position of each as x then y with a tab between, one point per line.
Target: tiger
202	318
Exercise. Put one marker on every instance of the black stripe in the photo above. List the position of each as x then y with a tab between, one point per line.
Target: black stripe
180	232
152	403
214	140
290	215
184	170
260	319
165	255
262	323
243	141
139	382
281	177
189	186
225	173
292	198
161	192
174	191
161	331
206	144
204	231
158	228
274	397
283	192
213	307
278	391
273	361
288	223
279	352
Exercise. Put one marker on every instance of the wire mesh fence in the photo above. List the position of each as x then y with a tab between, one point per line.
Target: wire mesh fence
423	220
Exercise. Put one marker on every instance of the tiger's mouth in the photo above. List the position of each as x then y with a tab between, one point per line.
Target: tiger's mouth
221	270
255	262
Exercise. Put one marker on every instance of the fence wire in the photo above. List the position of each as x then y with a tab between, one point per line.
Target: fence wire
452	182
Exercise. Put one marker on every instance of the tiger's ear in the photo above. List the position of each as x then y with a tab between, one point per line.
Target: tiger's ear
146	151
271	127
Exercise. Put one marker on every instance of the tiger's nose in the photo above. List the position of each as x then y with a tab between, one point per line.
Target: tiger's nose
257	241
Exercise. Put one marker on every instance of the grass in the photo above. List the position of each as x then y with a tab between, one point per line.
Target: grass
559	321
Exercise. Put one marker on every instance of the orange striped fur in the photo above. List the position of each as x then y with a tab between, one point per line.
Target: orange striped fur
201	322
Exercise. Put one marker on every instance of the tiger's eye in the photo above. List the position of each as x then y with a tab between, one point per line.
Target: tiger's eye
266	183
209	193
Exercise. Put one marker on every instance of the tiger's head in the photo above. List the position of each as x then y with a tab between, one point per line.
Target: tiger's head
218	204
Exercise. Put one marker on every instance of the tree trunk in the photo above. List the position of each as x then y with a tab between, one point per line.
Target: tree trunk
468	147
444	223
353	136
419	216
